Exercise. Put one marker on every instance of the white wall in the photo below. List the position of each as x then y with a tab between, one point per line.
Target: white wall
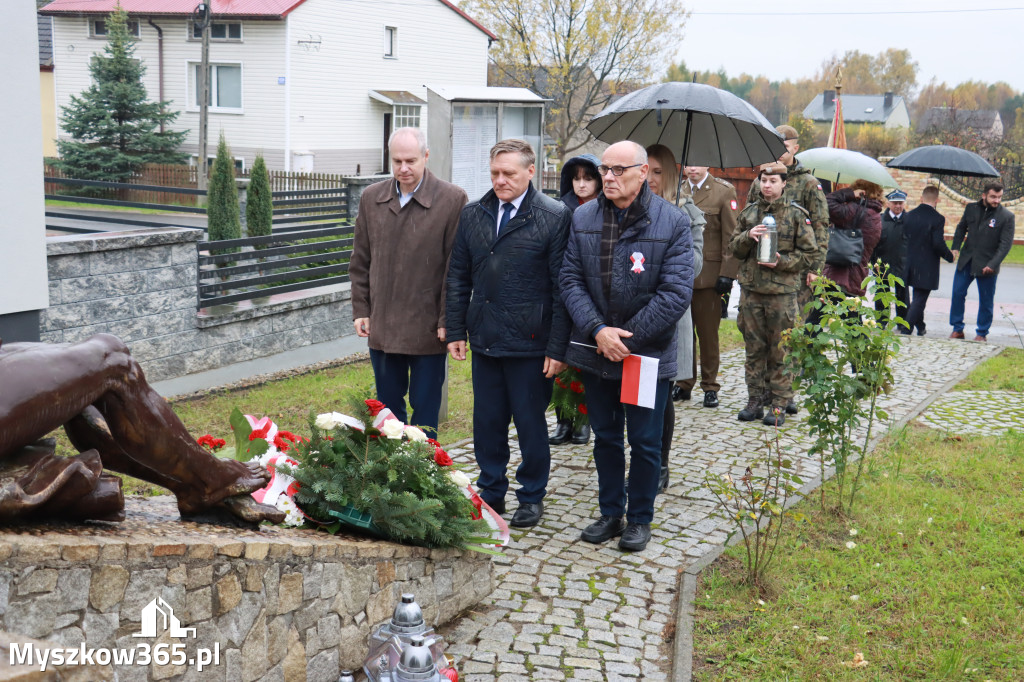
23	280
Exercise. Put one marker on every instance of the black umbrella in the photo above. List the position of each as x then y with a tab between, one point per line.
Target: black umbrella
701	124
943	159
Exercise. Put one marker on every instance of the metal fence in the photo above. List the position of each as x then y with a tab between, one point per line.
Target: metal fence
102	193
1011	175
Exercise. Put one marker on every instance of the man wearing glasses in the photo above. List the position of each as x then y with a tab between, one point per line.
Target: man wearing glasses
626	280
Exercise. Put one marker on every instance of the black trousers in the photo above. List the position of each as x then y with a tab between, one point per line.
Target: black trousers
915	314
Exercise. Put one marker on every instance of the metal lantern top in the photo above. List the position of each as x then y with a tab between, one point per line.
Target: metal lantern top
408	617
417	663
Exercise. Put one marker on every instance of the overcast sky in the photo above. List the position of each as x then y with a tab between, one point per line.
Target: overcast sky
790	39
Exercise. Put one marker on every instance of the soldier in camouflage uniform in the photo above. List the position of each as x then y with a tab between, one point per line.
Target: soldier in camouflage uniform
805	190
768	292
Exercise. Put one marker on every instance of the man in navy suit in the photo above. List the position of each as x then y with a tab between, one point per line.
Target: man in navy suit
922	229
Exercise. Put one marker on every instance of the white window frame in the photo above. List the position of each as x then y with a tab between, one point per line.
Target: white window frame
193	160
402	116
132	23
390	42
191	36
191	76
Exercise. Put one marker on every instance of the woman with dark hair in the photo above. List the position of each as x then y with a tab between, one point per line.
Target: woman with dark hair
579	183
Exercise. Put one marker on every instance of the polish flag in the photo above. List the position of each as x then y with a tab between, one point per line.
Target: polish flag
639	380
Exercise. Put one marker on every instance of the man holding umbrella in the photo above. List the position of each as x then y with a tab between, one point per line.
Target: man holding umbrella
985	235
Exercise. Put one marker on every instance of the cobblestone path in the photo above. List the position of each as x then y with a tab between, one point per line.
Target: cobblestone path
564	609
976	413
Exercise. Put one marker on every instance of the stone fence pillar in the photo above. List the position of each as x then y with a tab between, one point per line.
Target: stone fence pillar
356	185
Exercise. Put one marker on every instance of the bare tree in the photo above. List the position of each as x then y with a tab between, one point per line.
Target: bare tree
579	54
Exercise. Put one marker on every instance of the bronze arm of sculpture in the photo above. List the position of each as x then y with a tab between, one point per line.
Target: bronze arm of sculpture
99	394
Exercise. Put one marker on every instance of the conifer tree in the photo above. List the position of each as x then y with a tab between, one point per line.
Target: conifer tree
222	218
113	125
259	208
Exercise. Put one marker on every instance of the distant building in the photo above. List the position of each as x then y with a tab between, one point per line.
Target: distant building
313	85
888	110
985	123
47	103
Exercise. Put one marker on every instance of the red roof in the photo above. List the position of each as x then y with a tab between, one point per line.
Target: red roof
234	8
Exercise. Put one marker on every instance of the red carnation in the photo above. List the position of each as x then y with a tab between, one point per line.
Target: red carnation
441	458
576	387
583	409
280	440
208	441
374	406
260	433
559	382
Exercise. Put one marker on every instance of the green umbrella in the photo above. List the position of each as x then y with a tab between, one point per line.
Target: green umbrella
844	166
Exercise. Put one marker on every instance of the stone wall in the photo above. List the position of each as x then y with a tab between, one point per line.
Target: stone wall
141	286
951	204
281	605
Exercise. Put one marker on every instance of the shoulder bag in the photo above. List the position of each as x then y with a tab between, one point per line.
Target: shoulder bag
846	245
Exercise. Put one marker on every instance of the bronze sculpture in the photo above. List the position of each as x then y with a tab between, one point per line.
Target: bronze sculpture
99	394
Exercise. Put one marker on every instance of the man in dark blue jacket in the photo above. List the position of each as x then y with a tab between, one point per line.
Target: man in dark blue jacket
503	297
626	280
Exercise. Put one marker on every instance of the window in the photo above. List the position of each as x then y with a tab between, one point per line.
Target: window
407	116
225	87
193	160
98	28
390	42
219	30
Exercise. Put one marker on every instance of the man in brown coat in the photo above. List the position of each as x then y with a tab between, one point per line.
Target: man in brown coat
717	199
403	238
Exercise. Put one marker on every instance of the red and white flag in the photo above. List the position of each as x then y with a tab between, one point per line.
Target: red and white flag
639	380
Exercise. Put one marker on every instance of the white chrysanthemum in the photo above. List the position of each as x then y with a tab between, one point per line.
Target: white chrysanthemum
392	428
293	517
414	433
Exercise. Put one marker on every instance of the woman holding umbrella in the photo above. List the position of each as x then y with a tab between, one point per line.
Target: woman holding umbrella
580	182
663	179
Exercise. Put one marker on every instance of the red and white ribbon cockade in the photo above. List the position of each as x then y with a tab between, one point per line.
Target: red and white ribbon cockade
638	262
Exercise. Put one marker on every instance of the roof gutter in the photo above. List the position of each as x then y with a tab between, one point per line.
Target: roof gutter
160	64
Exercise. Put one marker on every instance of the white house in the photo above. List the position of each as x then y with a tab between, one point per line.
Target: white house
313	85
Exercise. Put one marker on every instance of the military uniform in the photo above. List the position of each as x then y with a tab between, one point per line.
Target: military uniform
717	199
805	190
768	296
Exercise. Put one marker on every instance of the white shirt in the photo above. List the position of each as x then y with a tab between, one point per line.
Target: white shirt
515	209
404	199
694	188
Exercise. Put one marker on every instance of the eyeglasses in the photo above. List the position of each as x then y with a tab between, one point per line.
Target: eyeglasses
616	170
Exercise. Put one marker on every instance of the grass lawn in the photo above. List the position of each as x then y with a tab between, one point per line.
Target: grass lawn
59	203
1004	372
1015	257
936	571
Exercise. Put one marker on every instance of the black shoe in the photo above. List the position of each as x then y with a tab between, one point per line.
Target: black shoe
792	407
498	505
776	417
581	435
604	529
680	393
710	399
563	431
528	515
636	537
663	479
753	410
922	330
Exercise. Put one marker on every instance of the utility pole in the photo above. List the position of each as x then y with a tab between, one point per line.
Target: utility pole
201	18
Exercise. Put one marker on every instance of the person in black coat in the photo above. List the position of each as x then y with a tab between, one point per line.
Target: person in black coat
580	182
503	297
925	245
986	234
891	249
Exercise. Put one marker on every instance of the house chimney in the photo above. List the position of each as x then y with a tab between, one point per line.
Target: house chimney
830	98
887	102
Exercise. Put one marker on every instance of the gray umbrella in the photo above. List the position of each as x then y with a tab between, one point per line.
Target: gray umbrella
701	124
943	159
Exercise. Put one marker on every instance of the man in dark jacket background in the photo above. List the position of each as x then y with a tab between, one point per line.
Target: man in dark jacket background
403	235
891	248
923	228
985	232
626	280
503	297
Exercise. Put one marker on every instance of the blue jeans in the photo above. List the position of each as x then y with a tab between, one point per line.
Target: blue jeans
608	416
422	376
962	279
504	390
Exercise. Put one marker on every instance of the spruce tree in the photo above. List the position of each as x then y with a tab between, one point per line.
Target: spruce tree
259	208
222	219
113	125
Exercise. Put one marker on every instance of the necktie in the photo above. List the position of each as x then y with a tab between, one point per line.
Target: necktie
506	215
